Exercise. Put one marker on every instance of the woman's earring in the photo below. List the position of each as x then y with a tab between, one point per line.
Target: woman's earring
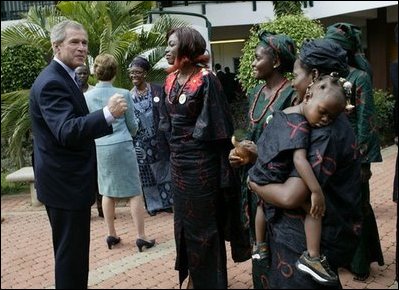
275	66
308	88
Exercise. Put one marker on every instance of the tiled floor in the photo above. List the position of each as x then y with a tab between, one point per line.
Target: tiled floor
27	258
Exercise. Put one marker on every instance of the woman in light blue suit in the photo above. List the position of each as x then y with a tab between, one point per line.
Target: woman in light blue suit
118	172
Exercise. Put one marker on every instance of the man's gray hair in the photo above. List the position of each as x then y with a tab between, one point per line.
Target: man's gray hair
58	32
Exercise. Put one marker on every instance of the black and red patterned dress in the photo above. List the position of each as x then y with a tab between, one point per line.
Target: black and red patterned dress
283	134
334	159
198	119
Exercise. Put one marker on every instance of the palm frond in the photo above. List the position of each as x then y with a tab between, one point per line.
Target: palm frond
15	123
44	16
153	38
166	23
14	105
129	13
116	43
25	33
156	57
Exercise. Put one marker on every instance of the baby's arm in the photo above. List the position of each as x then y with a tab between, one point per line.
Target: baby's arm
305	170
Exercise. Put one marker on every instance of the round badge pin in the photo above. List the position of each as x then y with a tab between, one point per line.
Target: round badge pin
182	98
269	118
156	99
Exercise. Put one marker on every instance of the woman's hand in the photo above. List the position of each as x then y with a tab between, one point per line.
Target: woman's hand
251	150
244	152
318	205
234	159
252	186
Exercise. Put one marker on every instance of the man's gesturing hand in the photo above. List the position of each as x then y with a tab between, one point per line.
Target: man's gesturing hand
117	105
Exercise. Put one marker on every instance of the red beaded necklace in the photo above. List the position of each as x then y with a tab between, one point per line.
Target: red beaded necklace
272	99
181	88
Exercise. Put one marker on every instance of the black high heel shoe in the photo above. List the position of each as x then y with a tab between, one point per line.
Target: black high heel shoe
112	241
143	243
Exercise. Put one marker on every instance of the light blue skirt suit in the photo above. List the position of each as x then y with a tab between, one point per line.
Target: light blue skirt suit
118	171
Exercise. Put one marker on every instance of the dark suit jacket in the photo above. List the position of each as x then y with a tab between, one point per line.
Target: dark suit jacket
63	138
394	79
222	78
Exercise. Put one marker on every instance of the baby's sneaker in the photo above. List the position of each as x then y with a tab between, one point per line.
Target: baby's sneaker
318	268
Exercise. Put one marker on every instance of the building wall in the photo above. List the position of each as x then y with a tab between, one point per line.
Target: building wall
324	9
375	18
243	13
225	53
233	20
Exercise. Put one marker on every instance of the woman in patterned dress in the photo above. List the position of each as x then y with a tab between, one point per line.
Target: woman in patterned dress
335	162
195	113
274	56
362	118
151	144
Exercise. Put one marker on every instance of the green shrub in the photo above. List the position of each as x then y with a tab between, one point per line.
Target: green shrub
12	187
20	65
298	27
384	106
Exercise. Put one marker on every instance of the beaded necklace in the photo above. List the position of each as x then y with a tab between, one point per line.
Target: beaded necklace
272	99
141	93
142	99
181	88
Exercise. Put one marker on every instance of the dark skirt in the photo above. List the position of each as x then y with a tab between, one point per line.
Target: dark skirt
198	220
369	247
287	242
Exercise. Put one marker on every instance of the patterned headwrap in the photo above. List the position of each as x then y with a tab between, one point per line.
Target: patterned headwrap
140	61
283	46
324	55
349	37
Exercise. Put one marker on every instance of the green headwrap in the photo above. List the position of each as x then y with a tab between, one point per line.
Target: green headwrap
349	37
283	46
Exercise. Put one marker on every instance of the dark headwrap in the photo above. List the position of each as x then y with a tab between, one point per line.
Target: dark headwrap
349	37
140	61
324	55
283	46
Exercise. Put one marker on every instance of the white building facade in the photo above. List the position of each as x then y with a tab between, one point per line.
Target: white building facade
230	23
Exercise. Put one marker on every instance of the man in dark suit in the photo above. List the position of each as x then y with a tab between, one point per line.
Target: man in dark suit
64	152
220	74
394	79
230	85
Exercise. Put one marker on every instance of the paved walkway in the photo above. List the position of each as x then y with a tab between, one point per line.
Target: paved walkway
27	256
